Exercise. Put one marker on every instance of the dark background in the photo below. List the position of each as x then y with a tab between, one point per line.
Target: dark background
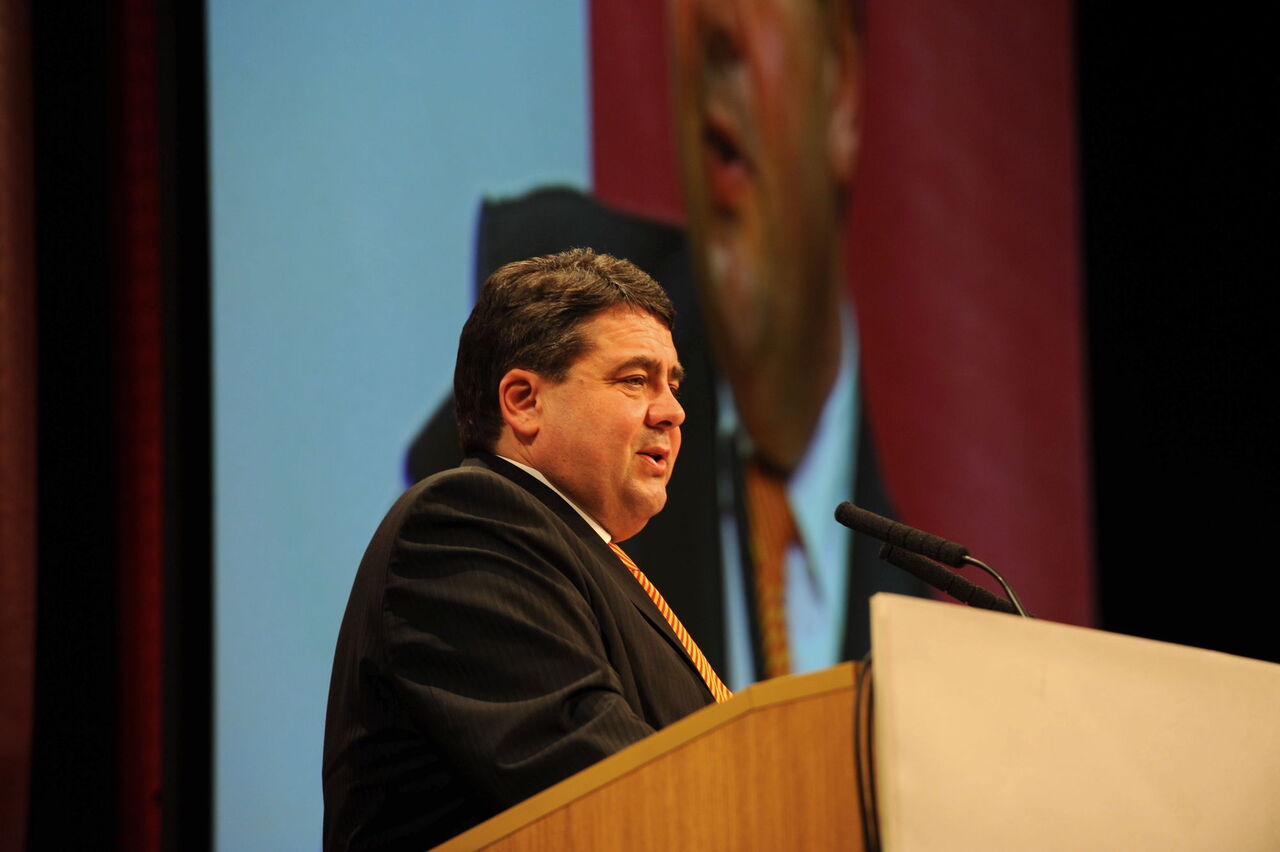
1179	205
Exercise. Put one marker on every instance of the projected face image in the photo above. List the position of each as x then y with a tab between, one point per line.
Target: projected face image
767	126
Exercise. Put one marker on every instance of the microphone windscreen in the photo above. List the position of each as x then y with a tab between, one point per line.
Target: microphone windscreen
901	535
945	580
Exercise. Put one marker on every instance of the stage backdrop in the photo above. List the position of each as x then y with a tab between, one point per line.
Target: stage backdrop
351	145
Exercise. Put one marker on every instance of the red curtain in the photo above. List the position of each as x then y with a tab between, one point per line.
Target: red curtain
17	424
139	414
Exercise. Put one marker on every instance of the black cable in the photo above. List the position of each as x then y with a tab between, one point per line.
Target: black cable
874	846
1013	599
863	757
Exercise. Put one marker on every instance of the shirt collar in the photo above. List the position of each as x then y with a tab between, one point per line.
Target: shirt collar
537	474
825	474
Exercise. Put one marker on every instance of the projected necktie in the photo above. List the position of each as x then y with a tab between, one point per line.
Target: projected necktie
718	690
772	531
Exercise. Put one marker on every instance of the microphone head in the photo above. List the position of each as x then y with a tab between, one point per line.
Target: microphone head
901	535
860	520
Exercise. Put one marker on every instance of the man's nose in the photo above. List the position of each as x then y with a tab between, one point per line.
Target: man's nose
666	412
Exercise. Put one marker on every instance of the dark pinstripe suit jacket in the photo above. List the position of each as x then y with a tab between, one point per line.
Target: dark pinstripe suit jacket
492	645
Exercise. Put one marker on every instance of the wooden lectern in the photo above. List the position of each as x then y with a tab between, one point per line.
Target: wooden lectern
771	769
990	732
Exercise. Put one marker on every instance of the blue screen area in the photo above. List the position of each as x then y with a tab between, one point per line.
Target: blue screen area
350	146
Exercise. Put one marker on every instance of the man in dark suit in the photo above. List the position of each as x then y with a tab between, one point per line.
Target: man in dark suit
708	483
497	640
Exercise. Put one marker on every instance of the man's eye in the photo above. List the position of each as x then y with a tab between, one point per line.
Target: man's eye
635	381
675	391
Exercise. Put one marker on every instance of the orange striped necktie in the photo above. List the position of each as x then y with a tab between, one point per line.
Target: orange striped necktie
772	529
718	690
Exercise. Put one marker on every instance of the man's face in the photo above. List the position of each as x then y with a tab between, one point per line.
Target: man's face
609	434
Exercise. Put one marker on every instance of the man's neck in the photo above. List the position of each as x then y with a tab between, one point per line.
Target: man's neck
537	474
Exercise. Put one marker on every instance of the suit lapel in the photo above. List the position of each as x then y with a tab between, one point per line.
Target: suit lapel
610	563
640	598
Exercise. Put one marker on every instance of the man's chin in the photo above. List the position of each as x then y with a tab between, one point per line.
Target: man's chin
655	504
640	519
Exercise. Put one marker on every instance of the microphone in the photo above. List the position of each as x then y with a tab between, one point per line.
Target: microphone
919	543
903	536
943	580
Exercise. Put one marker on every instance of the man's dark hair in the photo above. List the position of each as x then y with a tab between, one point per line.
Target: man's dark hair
529	316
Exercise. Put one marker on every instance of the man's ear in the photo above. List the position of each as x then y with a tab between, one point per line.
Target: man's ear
518	403
844	133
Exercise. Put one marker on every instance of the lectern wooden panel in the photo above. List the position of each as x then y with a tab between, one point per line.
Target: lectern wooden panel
771	769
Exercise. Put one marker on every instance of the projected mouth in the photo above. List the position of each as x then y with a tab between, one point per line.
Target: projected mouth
728	170
722	145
